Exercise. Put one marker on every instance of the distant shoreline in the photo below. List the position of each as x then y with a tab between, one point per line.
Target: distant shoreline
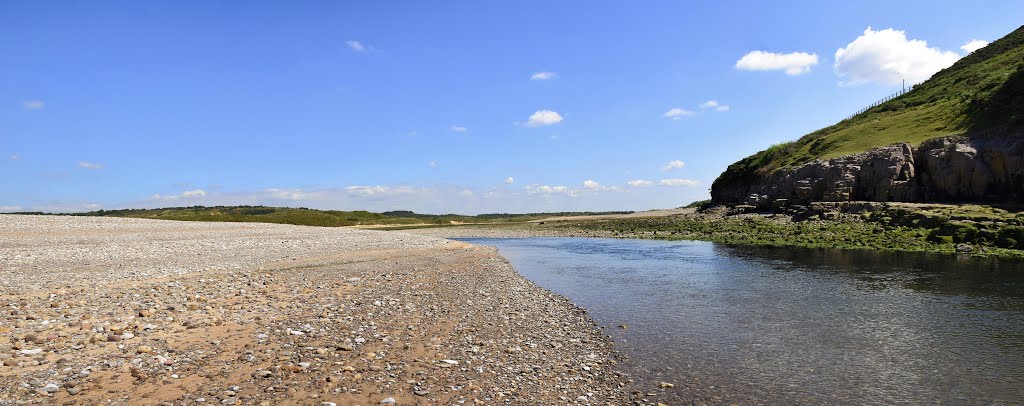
898	227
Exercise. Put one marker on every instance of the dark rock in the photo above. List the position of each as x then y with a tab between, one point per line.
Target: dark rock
952	168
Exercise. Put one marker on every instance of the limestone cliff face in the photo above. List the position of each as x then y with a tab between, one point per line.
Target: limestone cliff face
947	169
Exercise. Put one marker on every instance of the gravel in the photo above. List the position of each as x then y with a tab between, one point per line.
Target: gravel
128	311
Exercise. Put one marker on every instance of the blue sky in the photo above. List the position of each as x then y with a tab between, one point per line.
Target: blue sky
427	107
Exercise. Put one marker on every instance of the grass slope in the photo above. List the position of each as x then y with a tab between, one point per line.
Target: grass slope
981	94
311	217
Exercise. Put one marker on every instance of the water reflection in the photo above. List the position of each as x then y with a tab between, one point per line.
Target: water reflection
767	325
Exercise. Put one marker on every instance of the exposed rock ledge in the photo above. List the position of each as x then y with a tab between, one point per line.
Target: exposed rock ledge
946	169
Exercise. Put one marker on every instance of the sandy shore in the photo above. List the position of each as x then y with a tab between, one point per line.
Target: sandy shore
124	311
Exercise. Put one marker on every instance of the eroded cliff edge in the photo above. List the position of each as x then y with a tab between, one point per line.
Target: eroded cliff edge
946	169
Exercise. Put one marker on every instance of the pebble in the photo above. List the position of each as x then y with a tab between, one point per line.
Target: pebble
443	317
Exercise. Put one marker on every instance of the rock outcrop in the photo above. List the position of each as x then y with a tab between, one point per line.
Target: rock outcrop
947	169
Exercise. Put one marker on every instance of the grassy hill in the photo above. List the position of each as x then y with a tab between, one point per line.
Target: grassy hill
981	94
311	217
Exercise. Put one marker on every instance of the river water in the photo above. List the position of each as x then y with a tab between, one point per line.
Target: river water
746	325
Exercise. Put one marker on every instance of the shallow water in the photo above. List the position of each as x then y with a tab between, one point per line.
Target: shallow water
748	325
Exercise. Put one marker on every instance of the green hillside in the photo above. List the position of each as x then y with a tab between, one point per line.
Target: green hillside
311	217
981	94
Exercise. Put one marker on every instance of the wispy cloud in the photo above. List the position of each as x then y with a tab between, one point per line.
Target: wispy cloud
794	63
90	165
592	185
291	194
357	46
62	207
8	209
432	164
188	194
193	193
677	113
677	164
435	198
640	183
678	182
509	180
542	118
382	190
537	189
543	76
34	104
714	105
15	157
459	129
889	57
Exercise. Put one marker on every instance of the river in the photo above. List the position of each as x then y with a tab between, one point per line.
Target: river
726	324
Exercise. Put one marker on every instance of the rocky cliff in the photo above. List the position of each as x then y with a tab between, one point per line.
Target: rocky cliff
947	169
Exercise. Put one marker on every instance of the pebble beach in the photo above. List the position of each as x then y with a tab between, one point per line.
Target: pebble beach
127	311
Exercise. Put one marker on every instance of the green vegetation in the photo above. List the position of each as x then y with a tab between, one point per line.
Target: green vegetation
311	217
981	94
698	204
924	228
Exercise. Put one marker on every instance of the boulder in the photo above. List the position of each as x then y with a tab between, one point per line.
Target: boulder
954	168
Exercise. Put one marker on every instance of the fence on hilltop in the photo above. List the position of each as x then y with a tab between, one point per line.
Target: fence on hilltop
899	93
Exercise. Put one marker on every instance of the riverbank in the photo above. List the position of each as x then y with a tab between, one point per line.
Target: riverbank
907	227
127	311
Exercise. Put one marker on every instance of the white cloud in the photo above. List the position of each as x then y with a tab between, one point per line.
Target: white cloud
34	104
543	76
356	46
794	63
15	157
412	133
542	118
432	164
193	193
290	194
7	209
888	57
459	129
640	183
678	182
973	45
435	198
677	113
63	207
90	165
589	184
188	194
714	105
673	165
546	190
509	180
381	190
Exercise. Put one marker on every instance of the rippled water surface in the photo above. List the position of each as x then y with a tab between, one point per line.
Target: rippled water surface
748	325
